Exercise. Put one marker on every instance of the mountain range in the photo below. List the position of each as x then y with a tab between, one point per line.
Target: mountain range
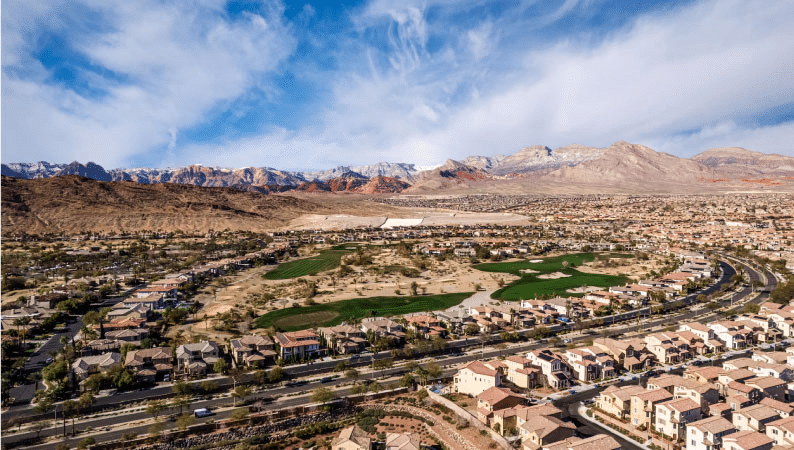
619	167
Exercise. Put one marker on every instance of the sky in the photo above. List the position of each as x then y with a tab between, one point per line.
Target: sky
314	85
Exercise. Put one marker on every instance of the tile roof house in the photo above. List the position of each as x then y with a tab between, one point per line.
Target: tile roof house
617	400
754	417
193	359
494	399
511	418
672	416
597	442
403	441
781	431
352	438
298	345
747	440
253	350
707	434
475	377
643	406
539	431
150	364
86	366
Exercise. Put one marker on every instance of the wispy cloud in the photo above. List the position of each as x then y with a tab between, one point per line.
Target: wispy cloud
414	81
177	61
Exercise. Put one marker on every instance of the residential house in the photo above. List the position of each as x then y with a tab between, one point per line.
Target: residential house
150	364
667	347
403	441
509	419
617	400
754	417
475	377
298	345
707	434
344	339
747	440
86	366
704	394
771	387
672	416
193	359
494	399
781	431
520	372
253	351
381	327
554	370
643	406
540	431
352	438
597	442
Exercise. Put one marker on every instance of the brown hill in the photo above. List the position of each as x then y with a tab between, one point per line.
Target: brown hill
739	162
76	204
383	185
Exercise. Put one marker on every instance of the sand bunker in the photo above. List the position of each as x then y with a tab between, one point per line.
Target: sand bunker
584	289
529	271
535	261
552	276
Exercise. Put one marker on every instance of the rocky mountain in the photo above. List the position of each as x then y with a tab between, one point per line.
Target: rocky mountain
620	167
743	162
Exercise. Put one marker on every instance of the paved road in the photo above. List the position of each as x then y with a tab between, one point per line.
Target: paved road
24	393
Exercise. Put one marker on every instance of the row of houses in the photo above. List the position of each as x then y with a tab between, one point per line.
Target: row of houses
708	407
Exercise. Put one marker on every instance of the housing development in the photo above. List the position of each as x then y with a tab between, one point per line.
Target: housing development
587	326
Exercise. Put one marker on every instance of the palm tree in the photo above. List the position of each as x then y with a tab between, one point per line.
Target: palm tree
241	392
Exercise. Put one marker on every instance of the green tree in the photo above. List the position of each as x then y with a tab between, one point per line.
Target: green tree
181	402
407	380
184	421
241	392
155	407
353	374
220	366
276	374
322	395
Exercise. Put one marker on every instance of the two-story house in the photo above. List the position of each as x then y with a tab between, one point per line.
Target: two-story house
194	359
673	416
150	364
297	345
253	350
707	434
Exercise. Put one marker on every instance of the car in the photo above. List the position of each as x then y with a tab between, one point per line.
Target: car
573	391
48	361
697	362
566	341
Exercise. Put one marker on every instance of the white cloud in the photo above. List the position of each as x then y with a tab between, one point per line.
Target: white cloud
181	59
429	89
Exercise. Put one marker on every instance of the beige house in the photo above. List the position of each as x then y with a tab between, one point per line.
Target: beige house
494	399
754	418
597	442
672	416
617	400
539	431
643	406
747	440
781	431
706	434
520	372
476	377
86	366
509	419
253	350
403	441
352	438
704	394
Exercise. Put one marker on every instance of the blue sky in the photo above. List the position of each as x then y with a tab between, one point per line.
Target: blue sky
302	85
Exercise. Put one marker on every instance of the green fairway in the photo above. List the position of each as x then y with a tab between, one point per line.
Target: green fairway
530	285
327	260
330	314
